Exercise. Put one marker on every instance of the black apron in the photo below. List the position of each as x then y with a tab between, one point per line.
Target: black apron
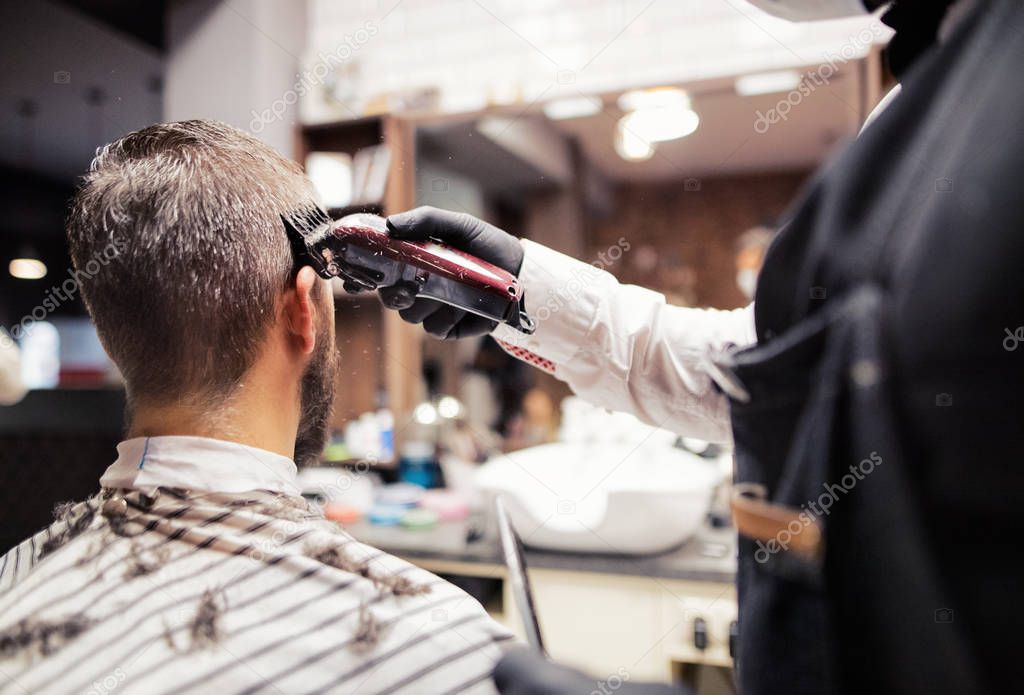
887	379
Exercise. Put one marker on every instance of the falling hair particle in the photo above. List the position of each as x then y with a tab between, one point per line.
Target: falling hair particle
42	636
396	584
403	586
62	510
144	561
332	555
74	525
286	508
368	630
205	629
95	549
169	638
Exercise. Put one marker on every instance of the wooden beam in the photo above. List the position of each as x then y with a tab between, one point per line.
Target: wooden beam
403	354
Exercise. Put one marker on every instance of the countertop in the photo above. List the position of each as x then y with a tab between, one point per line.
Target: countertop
710	556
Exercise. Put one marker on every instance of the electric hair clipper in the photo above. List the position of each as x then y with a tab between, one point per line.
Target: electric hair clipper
359	250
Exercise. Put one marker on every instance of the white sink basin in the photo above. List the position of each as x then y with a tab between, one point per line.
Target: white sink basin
603	497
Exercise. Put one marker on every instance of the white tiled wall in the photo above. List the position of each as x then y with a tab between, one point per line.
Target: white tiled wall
500	51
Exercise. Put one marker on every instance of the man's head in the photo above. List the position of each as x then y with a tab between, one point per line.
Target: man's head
203	284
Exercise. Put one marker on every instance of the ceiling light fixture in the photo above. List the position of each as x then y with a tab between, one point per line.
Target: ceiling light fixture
767	83
27	265
572	107
652	116
659	125
656	97
631	146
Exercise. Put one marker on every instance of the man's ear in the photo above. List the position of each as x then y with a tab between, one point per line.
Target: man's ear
300	309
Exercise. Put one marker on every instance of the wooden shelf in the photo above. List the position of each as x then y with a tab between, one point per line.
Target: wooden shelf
379	351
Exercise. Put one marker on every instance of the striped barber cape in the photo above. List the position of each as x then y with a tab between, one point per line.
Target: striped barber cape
175	591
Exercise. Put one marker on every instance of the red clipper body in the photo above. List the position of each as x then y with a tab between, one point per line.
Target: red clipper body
358	249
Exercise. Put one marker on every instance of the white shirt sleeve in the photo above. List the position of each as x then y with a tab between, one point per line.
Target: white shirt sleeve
622	347
12	389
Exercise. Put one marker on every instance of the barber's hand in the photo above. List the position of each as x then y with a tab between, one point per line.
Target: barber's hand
524	672
463	232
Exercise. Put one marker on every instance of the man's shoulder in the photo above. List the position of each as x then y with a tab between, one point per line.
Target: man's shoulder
228	587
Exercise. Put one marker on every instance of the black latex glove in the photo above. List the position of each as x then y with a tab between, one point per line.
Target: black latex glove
466	233
524	672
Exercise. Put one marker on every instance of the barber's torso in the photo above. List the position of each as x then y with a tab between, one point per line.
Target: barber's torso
882	316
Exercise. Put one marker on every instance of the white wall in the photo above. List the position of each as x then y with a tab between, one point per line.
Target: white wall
237	62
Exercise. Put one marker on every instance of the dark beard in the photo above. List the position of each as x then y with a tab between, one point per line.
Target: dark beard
317	398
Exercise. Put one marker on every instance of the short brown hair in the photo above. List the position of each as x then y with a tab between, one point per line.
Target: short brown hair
193	209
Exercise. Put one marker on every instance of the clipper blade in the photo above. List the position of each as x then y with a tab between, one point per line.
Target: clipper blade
307	227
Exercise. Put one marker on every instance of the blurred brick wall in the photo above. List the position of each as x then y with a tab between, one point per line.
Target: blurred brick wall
682	235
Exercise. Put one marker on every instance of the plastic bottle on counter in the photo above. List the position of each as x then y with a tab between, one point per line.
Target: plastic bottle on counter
386	433
418	465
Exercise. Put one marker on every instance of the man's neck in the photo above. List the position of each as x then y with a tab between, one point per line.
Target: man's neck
246	418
